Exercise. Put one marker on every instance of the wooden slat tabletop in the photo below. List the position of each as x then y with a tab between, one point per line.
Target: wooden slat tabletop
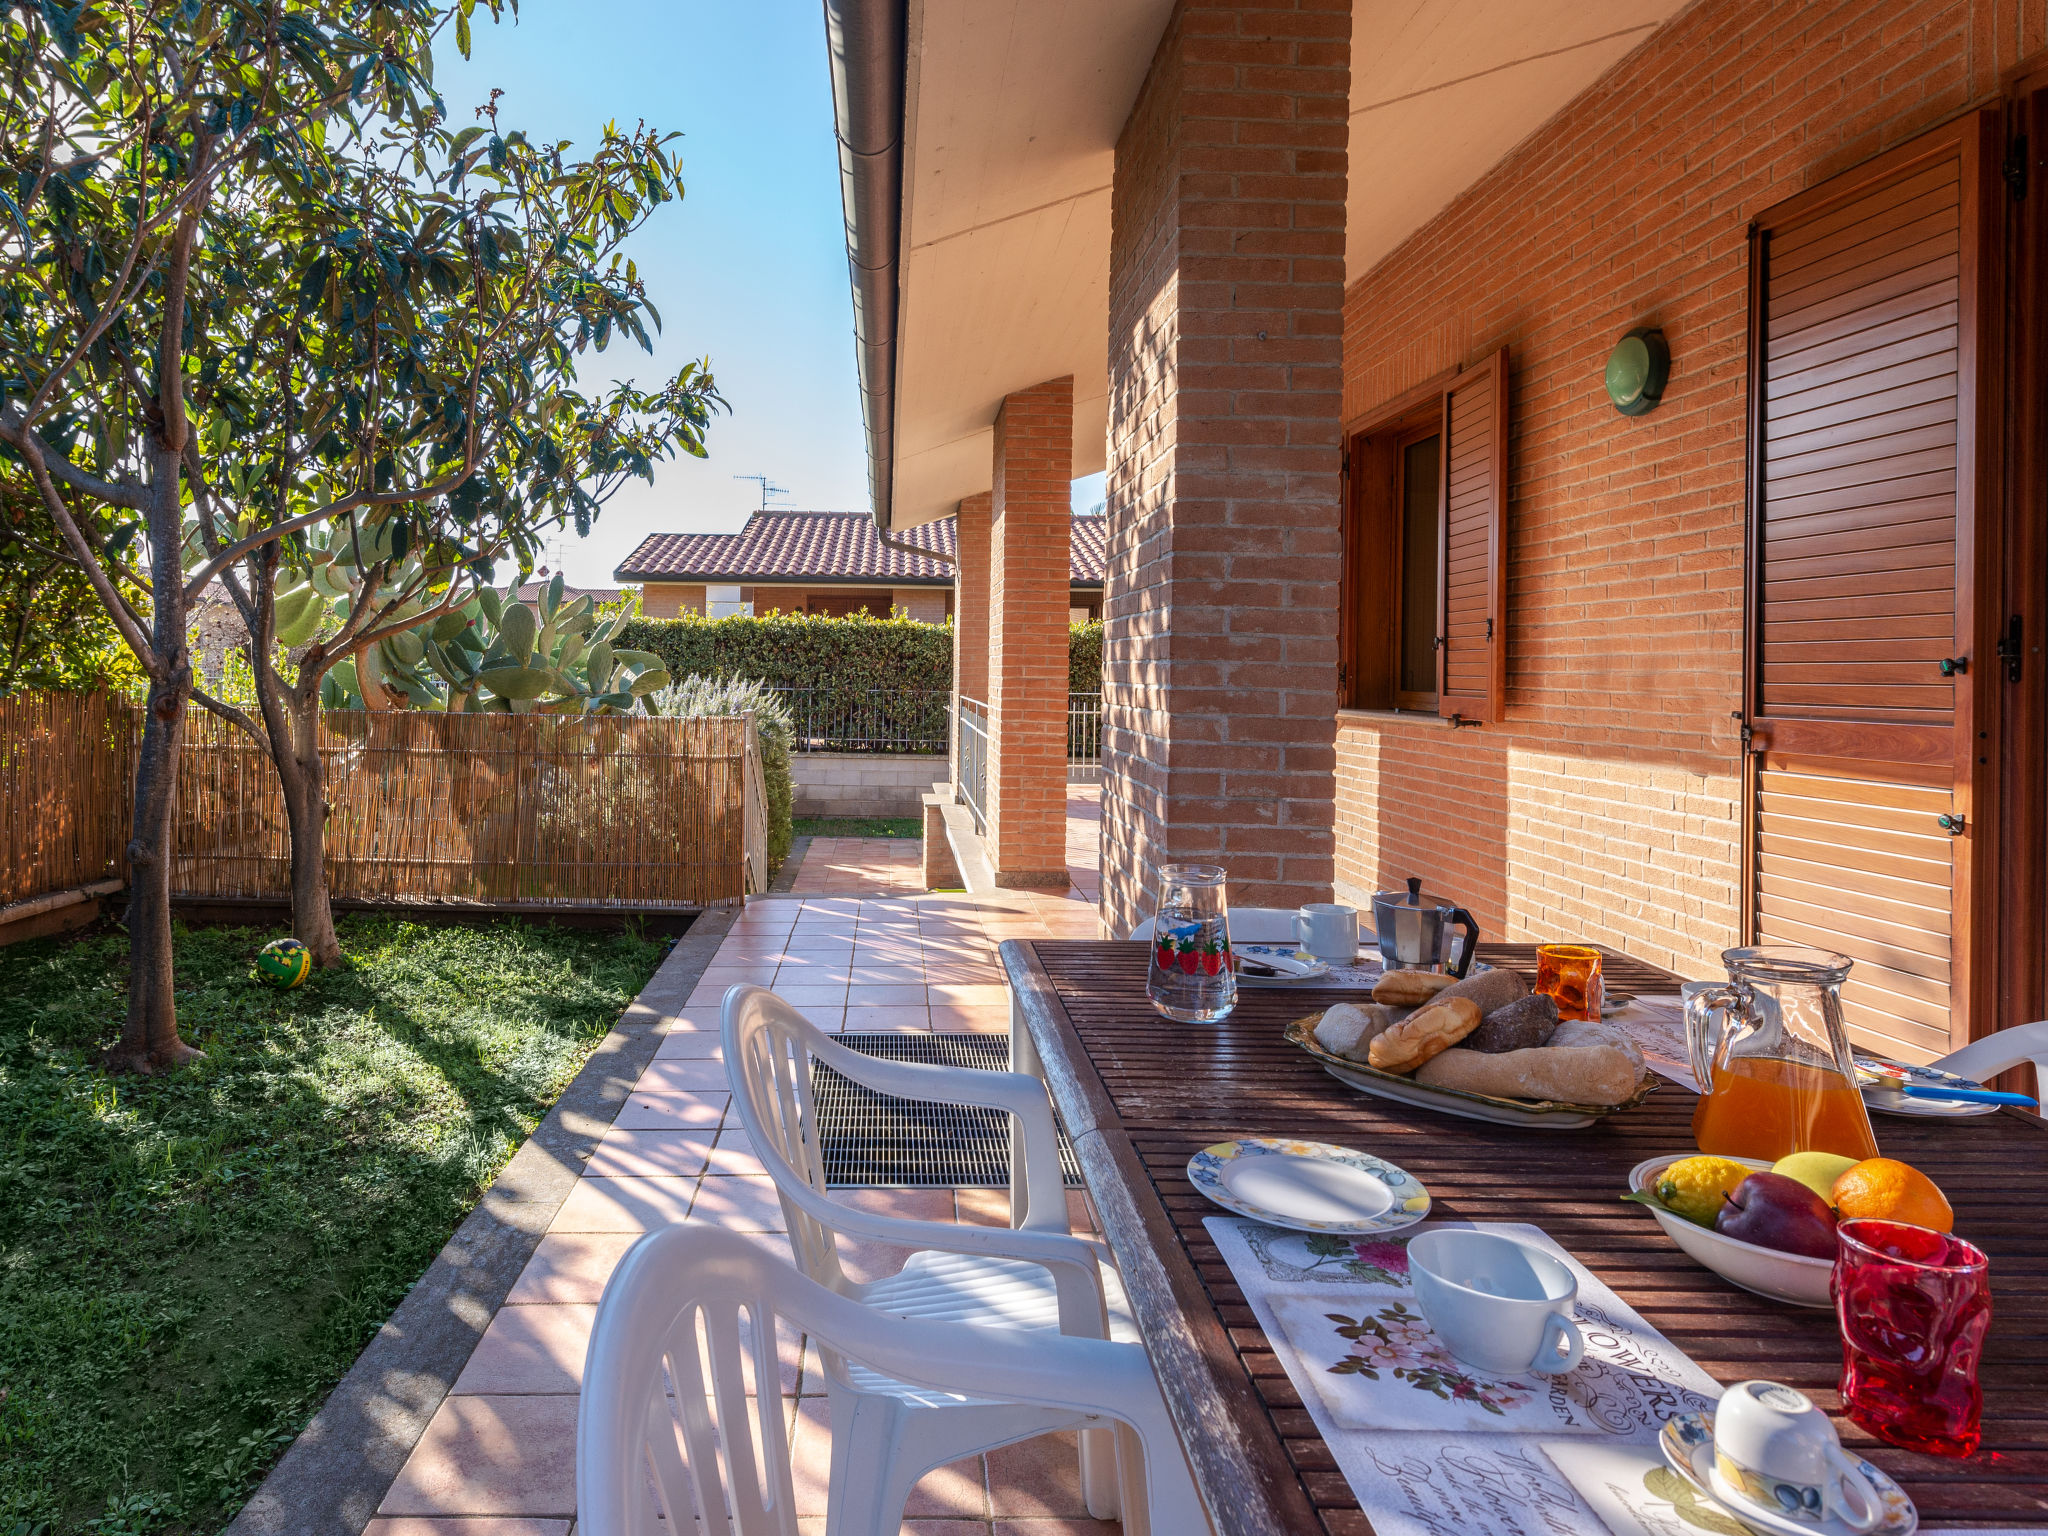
1140	1094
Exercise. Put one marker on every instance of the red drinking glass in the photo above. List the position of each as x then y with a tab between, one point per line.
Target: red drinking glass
1914	1306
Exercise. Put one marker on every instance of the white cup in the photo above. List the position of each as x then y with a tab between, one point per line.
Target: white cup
1774	1451
1328	931
1497	1304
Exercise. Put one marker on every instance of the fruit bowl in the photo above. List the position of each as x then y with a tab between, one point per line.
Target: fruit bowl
1769	1272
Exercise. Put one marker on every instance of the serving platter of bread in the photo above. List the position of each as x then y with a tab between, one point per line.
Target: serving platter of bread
1486	1048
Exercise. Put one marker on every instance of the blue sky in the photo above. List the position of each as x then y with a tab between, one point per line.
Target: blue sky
750	267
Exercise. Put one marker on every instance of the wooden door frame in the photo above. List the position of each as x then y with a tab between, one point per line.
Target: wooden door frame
1977	138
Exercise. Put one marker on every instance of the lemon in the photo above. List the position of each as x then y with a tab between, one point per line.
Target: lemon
1816	1170
1693	1187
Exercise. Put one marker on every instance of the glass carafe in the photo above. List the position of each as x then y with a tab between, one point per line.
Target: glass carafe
1772	1057
1190	977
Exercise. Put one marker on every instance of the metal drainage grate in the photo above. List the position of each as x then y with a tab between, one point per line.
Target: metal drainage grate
870	1138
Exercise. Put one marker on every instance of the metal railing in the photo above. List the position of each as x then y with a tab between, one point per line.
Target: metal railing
1084	738
868	719
973	768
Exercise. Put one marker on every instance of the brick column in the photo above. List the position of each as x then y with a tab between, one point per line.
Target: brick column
1220	682
970	614
1030	524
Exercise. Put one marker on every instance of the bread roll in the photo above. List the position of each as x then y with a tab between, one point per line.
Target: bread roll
1348	1029
1405	989
1584	1032
1582	1074
1489	989
1524	1024
1423	1034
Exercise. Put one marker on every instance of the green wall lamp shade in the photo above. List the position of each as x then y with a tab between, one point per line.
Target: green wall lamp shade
1637	369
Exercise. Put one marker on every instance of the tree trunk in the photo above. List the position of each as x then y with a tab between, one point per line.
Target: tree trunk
303	776
149	1041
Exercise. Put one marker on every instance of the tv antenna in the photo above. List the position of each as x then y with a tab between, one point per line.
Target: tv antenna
768	488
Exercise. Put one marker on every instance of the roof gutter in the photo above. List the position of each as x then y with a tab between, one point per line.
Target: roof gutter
868	41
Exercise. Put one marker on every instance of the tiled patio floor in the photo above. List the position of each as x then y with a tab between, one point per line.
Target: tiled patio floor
498	1457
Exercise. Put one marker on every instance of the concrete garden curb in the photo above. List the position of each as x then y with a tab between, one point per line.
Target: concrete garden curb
331	1480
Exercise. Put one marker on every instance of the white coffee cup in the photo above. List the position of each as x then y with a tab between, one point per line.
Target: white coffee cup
1497	1304
1328	931
1775	1451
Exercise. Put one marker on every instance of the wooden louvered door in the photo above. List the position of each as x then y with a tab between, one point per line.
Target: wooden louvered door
1472	642
1870	317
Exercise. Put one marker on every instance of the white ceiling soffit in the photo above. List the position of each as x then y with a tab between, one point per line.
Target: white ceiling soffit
1012	113
1011	117
1442	89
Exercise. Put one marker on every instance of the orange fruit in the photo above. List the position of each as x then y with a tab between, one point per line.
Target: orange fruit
1885	1188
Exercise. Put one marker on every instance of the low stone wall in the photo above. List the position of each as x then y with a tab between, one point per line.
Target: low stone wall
863	784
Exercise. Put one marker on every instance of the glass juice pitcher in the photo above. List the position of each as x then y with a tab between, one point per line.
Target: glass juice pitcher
1190	977
1772	1058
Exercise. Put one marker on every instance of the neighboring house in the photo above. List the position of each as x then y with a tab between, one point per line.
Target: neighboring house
825	562
529	594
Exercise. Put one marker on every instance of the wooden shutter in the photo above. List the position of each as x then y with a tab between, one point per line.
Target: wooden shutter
1472	641
1867	353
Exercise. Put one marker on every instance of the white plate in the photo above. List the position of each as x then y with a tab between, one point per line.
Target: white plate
1769	1272
1315	969
1877	1097
1688	1446
1308	1186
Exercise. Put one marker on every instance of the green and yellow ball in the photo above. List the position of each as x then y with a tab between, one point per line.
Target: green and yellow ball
284	963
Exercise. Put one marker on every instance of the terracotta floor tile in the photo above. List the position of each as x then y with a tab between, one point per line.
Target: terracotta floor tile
687	1076
570	1267
716	974
735	1154
671	1111
1081	1526
650	1154
1039	1477
529	1350
858	996
624	1205
487	1525
908	973
887	1020
964	994
805	995
690	1045
738	1204
491	1456
970	1021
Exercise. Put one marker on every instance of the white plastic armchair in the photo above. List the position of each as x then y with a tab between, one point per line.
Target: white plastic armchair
1034	1276
687	1297
2022	1045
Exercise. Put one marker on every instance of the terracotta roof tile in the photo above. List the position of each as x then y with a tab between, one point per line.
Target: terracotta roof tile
823	546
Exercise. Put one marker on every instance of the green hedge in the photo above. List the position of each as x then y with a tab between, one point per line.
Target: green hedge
797	650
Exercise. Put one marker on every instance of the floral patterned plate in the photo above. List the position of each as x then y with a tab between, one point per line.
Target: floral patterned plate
1308	1186
1688	1445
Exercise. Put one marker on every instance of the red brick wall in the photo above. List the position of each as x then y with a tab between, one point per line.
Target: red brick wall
1605	804
668	599
1226	292
1030	527
970	598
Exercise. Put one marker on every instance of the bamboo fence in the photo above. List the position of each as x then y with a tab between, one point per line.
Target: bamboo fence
468	809
66	762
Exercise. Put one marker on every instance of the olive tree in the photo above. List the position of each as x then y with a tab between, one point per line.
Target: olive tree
252	284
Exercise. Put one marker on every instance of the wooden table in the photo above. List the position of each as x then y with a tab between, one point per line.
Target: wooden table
1140	1094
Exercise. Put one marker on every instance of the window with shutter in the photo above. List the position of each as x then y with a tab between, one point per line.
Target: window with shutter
1866	354
1472	637
1425	615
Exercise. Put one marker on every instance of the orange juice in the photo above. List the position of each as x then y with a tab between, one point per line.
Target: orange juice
1763	1107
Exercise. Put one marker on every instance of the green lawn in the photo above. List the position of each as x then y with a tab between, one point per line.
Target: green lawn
187	1266
859	826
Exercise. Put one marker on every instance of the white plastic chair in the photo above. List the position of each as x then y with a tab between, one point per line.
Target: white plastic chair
715	1446
2022	1045
1034	1276
1248	925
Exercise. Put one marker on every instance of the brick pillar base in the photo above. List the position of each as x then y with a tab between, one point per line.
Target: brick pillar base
1226	273
1030	526
941	869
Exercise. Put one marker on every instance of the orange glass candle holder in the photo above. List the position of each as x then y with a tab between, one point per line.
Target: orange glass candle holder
1570	975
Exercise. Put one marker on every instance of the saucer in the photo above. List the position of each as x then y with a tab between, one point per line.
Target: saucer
1688	1445
1308	1186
